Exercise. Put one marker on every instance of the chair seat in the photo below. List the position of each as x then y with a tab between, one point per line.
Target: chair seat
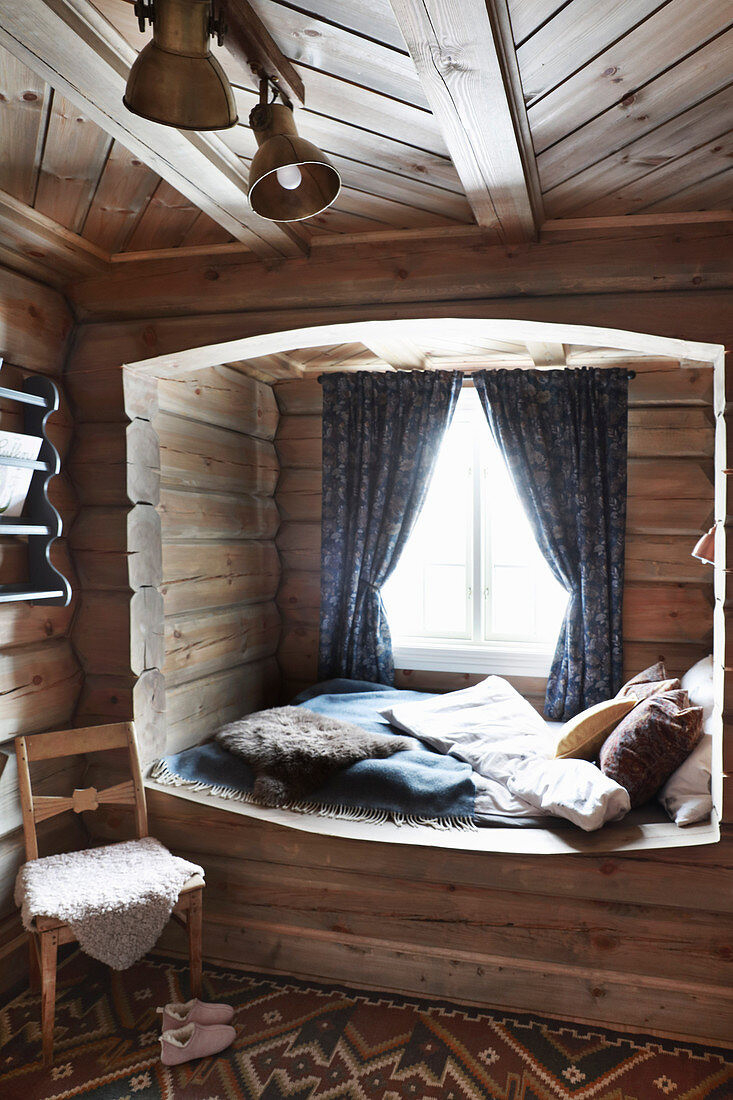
48	924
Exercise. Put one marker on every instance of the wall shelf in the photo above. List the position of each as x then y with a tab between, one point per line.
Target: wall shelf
40	524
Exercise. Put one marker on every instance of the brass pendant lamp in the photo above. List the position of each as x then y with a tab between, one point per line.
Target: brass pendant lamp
290	178
175	79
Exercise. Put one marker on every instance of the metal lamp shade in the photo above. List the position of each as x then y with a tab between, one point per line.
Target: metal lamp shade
175	79
280	146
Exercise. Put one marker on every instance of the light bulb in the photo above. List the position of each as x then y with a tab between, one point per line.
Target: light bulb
289	176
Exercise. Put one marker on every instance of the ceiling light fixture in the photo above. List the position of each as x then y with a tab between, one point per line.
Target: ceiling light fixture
289	179
175	80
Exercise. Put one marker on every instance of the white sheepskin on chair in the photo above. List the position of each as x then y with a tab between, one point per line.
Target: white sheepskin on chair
117	899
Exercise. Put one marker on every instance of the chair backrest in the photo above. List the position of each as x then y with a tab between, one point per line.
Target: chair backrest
59	743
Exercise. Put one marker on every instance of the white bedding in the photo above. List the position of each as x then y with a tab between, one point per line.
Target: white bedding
511	750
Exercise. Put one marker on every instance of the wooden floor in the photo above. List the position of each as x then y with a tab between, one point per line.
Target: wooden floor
620	943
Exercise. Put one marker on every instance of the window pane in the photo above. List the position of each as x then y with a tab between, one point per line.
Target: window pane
511	599
445	600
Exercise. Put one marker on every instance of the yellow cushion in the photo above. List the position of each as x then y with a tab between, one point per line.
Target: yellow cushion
582	737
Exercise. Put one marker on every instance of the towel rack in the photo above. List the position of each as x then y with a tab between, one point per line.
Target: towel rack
41	523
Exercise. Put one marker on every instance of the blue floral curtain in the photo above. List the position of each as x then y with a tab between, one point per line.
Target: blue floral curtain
381	435
563	437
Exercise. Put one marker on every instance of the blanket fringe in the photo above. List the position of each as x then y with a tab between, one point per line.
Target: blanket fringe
162	774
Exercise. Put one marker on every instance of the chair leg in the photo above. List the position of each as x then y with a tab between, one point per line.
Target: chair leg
194	924
49	950
34	969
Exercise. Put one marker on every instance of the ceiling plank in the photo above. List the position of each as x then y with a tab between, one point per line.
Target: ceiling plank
24	104
73	160
470	94
546	355
124	189
78	52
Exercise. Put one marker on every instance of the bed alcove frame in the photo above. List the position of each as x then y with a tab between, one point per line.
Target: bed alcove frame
337	923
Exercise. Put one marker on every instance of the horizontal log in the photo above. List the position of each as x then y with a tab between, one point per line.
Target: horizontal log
194	515
426	271
670	479
218	574
62	495
576	993
36	324
299	453
299	591
645	877
140	699
113	464
197	708
118	548
225	397
203	642
299	545
650	558
675	432
112	394
678	657
669	516
49	777
640	939
116	633
199	456
531	688
667	612
60	424
301	396
299	494
39	685
297	652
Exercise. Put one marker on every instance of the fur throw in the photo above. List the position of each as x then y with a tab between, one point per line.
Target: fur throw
293	751
117	899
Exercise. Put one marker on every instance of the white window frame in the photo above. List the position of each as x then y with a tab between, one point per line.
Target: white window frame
502	656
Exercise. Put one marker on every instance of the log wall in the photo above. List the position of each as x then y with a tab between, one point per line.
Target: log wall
668	603
40	673
221	569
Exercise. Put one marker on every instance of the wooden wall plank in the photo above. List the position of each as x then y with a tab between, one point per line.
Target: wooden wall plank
197	708
186	514
36	324
40	684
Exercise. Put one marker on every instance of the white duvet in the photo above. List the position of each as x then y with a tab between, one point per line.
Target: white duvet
512	752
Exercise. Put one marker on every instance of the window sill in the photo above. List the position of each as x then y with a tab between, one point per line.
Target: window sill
503	660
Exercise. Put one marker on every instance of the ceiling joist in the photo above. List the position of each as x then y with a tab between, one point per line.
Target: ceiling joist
70	45
466	66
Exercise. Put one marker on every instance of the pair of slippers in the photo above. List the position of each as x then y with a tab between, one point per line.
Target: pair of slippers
194	1029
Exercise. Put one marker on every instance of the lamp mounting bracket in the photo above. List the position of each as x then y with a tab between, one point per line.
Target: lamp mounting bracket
145	12
269	84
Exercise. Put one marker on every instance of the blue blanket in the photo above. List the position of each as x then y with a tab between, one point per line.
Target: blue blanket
417	786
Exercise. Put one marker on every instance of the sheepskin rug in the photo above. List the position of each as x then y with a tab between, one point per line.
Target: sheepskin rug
294	751
117	899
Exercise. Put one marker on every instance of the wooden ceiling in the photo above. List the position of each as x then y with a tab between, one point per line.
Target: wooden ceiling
437	114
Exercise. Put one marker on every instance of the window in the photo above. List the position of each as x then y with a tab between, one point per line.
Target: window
471	591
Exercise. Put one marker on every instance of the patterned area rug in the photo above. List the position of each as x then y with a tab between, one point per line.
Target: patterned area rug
304	1041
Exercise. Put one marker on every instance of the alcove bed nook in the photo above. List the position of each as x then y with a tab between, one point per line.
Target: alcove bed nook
225	621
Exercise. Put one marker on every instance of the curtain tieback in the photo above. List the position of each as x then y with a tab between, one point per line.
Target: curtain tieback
370	585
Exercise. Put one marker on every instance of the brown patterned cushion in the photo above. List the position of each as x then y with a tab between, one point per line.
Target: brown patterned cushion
650	743
652	681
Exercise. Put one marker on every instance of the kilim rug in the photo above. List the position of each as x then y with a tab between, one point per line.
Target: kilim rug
305	1041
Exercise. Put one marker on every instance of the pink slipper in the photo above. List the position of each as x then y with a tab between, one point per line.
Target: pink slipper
194	1012
194	1041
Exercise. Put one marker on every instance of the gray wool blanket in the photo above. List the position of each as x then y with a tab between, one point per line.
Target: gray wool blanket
117	899
294	751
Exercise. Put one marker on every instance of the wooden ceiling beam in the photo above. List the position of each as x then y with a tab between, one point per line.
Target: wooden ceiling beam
466	62
398	352
546	355
248	39
70	45
38	238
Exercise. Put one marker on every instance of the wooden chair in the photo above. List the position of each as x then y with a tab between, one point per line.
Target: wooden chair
49	933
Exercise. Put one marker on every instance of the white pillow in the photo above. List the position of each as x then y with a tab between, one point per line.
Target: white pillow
686	794
574	789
